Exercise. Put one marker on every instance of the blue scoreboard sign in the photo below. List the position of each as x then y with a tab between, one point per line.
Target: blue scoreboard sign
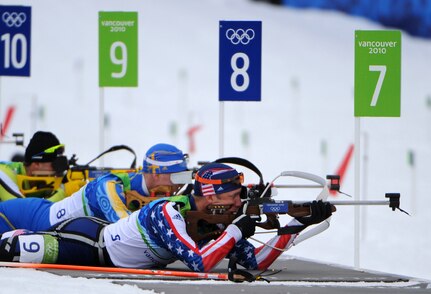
240	60
15	37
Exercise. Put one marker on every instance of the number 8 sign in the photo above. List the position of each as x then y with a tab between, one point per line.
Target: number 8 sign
240	60
118	49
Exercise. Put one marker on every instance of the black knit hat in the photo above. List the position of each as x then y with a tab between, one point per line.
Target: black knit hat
38	144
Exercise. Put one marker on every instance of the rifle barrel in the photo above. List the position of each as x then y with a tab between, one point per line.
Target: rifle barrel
297	186
369	202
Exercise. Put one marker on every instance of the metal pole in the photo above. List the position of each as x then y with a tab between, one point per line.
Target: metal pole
413	181
365	187
356	246
0	102
101	122
221	129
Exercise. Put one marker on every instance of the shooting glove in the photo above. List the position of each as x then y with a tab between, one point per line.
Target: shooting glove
244	222
319	212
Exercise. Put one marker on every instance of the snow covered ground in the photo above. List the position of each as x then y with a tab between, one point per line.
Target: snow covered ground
305	120
15	281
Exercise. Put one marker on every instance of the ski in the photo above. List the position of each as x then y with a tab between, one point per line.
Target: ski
118	270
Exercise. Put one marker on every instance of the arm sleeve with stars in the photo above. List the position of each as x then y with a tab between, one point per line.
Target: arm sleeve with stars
261	257
170	226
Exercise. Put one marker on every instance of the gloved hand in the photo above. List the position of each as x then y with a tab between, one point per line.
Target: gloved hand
245	223
319	212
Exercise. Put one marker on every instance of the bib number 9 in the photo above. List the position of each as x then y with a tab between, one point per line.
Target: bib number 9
32	247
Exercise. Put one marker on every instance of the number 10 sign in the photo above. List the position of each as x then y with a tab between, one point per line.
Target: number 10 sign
15	39
240	60
118	49
378	73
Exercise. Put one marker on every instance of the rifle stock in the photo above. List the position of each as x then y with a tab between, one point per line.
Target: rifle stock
77	176
135	201
217	214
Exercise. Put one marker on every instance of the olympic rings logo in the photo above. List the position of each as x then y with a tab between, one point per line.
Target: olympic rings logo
275	208
240	36
14	19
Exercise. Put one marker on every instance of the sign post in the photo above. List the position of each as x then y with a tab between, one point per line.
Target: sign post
377	92
240	64
118	55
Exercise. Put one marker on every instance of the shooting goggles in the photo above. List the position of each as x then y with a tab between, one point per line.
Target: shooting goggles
54	155
237	180
49	153
181	178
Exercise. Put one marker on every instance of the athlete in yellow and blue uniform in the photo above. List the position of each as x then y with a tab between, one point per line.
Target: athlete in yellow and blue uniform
43	158
104	197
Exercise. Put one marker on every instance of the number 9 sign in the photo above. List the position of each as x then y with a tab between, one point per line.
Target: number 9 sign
118	49
240	60
15	33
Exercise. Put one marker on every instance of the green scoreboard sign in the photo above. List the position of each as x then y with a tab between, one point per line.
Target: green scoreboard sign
118	49
378	73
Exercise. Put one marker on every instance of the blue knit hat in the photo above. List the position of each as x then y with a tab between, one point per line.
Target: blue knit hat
164	159
216	178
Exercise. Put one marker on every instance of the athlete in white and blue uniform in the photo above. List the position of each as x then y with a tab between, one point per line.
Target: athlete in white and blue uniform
104	197
156	235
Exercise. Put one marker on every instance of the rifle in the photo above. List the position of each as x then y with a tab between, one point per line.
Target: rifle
271	209
79	175
69	175
206	225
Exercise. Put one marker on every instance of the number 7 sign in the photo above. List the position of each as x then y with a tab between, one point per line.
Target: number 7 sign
378	73
118	49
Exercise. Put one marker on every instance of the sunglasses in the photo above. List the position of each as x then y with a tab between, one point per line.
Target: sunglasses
59	162
238	180
51	151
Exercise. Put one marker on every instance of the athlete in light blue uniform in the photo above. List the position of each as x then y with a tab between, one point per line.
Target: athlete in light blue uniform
164	168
